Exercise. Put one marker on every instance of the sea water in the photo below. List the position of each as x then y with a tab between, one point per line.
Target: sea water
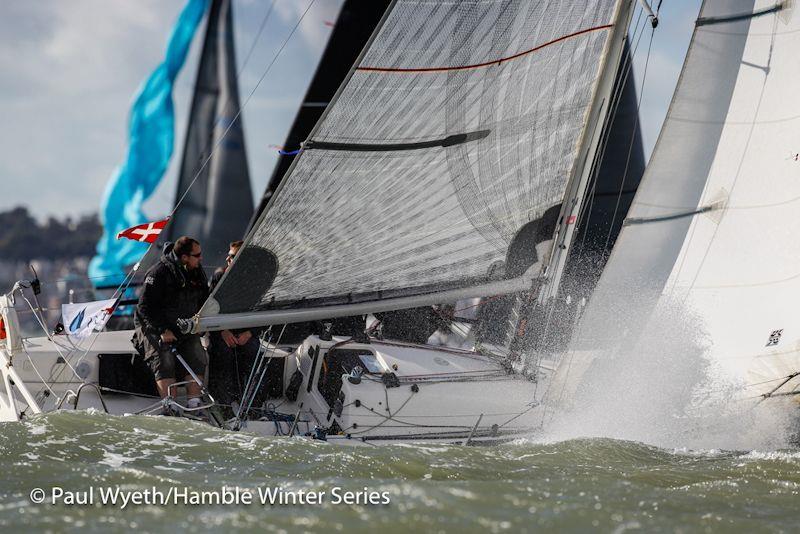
183	476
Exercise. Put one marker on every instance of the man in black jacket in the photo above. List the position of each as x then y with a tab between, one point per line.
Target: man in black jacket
232	355
174	288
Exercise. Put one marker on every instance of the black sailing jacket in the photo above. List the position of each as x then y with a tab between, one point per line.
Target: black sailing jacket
171	292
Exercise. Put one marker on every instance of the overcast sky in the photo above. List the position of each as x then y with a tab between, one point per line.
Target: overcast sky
71	67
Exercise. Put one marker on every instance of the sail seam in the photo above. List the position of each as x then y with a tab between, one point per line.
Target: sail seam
487	63
751	284
705	21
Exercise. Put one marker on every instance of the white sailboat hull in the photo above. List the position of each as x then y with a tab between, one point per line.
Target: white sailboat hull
407	392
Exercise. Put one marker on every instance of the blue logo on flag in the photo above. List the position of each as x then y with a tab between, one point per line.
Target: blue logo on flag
75	325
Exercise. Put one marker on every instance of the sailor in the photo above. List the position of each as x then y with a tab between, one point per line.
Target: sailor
174	288
414	325
232	355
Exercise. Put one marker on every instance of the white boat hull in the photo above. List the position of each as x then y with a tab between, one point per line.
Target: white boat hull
407	392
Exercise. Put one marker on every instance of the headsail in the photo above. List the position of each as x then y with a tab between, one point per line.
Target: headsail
459	127
219	202
714	225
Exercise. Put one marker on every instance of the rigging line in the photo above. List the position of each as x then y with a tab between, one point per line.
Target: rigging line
482	301
35	370
47	333
693	286
255	39
55	376
470	354
785	381
487	63
240	110
532	406
95	335
438	416
790	376
392	417
633	136
737	123
751	34
265	366
253	371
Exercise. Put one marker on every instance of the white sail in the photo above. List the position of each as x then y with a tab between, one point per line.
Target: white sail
461	124
714	224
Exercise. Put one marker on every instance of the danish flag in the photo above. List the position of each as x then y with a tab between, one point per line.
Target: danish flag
145	233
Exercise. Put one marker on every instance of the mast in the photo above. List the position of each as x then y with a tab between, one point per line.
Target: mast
599	119
530	313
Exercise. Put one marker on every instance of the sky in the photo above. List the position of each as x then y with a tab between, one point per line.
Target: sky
71	67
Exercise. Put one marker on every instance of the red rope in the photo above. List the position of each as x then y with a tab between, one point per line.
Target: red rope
488	63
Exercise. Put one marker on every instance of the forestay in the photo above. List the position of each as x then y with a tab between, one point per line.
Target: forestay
714	226
460	125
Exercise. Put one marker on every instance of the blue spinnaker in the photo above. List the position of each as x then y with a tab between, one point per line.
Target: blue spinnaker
151	130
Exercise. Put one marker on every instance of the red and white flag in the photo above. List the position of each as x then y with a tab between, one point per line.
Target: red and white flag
146	233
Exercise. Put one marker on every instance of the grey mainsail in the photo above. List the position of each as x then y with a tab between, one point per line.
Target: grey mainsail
461	125
615	178
355	23
219	202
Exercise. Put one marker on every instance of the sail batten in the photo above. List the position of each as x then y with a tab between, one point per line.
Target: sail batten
721	19
421	181
450	140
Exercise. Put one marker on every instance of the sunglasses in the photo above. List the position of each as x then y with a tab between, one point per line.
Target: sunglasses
198	255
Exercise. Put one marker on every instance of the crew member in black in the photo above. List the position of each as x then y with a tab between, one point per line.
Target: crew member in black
174	288
232	354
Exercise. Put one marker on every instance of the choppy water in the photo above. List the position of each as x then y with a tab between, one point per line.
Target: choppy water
572	485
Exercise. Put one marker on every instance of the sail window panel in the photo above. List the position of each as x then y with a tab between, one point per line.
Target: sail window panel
351	223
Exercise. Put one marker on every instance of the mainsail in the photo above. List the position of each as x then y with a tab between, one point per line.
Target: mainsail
461	126
219	201
714	224
354	25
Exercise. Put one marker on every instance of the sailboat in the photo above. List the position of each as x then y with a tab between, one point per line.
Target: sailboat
213	194
430	166
415	182
709	238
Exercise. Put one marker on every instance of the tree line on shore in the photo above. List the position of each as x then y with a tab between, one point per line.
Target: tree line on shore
23	238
